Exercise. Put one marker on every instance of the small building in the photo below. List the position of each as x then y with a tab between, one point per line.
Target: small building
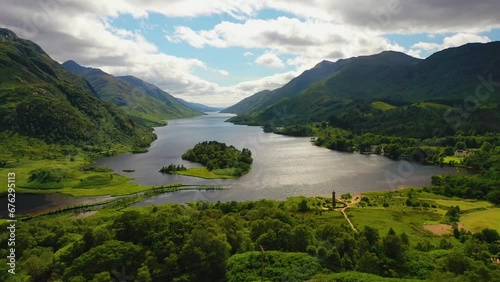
377	149
462	153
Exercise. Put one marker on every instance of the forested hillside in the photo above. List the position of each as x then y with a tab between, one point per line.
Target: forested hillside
248	103
174	108
294	240
417	91
39	98
147	104
266	98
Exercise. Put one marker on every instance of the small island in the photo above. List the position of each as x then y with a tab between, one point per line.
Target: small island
220	161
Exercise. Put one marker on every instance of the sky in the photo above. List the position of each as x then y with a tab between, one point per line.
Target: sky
219	52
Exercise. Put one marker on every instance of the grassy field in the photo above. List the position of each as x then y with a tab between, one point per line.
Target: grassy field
464	204
74	180
480	220
117	190
432	105
203	172
398	218
45	168
382	106
421	194
22	167
411	220
60	168
448	159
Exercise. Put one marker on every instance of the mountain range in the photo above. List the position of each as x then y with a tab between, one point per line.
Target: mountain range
146	103
396	80
266	98
387	93
40	98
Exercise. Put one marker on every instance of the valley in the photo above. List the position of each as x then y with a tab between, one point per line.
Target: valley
118	180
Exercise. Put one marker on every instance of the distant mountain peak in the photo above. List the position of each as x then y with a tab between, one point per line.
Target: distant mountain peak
79	69
389	52
71	62
396	54
129	77
394	77
322	64
146	103
8	33
75	67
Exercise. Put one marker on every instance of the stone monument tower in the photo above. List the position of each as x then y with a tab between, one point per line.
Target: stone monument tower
333	198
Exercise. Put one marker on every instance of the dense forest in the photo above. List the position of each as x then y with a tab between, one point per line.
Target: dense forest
415	120
293	240
215	155
483	160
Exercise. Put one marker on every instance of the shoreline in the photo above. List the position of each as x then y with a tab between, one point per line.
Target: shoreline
127	186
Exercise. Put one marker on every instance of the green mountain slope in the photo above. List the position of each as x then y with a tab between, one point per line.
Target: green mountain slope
146	103
248	103
264	99
445	78
175	108
451	75
39	98
382	75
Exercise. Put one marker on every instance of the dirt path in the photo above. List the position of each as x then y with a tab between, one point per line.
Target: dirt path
355	201
348	220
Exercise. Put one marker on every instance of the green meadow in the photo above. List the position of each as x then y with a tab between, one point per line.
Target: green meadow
44	168
203	172
480	220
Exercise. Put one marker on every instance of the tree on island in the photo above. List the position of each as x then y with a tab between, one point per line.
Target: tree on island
172	168
215	155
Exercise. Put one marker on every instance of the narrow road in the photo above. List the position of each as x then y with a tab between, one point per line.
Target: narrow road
348	220
357	199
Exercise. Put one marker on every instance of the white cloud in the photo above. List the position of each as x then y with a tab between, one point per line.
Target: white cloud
396	16
247	54
225	96
254	33
427	46
270	82
270	60
324	29
448	42
223	72
463	38
391	16
310	41
415	53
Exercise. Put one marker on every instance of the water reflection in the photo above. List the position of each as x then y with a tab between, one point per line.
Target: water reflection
283	166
